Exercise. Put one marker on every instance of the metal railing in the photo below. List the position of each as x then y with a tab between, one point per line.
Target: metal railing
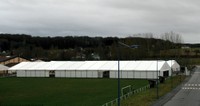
125	96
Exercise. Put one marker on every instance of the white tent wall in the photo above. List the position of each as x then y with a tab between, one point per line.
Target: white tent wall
113	74
68	74
72	74
59	73
46	73
84	74
100	74
176	66
90	74
32	73
62	73
38	74
154	75
135	74
41	73
130	74
76	74
21	73
27	73
94	74
165	67
162	73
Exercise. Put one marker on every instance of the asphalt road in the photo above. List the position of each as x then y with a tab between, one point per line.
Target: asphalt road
189	95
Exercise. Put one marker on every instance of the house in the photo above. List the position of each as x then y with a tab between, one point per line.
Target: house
12	60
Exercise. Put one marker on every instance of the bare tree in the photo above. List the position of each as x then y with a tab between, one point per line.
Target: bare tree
172	37
149	42
144	35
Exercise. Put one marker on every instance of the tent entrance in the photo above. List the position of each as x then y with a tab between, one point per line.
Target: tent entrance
51	73
165	73
106	74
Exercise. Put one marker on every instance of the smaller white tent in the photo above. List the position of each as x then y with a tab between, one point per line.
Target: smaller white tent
3	69
174	65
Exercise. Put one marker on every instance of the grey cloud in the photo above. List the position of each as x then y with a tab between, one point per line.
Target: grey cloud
100	17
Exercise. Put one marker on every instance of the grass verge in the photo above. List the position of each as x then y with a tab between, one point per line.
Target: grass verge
149	96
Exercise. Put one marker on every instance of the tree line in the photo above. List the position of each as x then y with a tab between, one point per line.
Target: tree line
89	48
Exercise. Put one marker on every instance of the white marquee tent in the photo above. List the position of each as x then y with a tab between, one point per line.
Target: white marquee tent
3	69
93	69
174	65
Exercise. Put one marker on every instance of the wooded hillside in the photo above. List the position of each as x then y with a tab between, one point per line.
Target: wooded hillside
86	48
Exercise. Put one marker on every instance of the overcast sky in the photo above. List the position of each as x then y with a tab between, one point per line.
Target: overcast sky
101	17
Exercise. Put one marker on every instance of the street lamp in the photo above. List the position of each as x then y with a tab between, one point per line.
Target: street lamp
157	80
118	54
118	78
171	74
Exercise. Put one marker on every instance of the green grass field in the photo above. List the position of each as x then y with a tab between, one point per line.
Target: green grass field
60	91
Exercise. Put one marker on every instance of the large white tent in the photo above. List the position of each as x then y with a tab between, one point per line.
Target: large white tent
93	69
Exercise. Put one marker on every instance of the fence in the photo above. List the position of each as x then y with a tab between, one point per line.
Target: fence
123	97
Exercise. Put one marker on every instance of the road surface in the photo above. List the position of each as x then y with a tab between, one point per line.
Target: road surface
189	95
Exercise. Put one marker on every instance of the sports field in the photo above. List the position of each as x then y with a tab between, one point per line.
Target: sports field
60	91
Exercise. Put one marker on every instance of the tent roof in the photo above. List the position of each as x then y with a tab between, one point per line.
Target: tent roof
93	65
18	66
97	65
87	65
109	65
172	63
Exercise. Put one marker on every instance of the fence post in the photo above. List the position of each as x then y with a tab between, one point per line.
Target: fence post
111	103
